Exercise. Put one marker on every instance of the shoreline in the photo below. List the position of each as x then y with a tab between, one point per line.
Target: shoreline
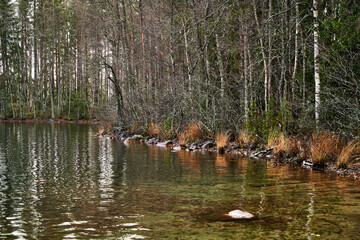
251	152
58	121
261	152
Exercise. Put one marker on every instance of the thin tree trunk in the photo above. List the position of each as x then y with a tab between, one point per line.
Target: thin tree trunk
316	63
188	61
293	79
263	55
270	51
246	97
304	74
221	67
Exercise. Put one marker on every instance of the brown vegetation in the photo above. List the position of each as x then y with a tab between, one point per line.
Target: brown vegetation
324	146
183	138
154	130
221	141
348	153
244	138
286	147
192	133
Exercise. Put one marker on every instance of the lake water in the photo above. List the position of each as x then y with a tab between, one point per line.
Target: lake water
62	182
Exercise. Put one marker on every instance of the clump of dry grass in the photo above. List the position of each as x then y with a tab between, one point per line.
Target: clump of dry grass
101	130
194	131
284	146
183	138
324	146
154	130
221	140
278	142
293	146
348	153
244	138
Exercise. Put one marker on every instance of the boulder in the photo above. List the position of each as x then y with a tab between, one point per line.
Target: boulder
137	137
238	214
193	146
131	140
208	144
152	141
168	143
176	147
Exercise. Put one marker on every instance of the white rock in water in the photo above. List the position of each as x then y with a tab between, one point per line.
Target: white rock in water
237	214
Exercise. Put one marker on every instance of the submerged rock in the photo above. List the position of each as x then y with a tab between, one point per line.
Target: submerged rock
133	139
176	147
208	144
165	144
193	146
238	214
152	141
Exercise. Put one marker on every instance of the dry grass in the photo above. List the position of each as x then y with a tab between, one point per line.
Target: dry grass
278	142
183	138
348	153
222	140
101	130
244	138
282	145
324	146
194	131
154	130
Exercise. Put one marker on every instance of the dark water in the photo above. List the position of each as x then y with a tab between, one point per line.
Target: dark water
61	182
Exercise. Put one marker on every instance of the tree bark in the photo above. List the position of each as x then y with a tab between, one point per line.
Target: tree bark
316	64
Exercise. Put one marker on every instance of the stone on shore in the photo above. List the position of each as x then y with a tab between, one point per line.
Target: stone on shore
165	144
238	214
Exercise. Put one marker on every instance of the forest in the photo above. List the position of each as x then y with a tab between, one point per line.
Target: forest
290	66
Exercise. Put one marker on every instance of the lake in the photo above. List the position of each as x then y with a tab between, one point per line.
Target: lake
59	181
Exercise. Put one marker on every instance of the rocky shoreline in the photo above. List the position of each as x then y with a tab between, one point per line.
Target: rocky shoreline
251	151
31	120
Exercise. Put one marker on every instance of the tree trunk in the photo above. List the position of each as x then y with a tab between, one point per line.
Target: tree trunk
316	63
221	67
263	56
293	78
246	97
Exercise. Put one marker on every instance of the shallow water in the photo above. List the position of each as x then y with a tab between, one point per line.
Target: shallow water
61	182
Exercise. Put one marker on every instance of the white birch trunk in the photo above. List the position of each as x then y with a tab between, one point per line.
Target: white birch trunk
316	63
297	25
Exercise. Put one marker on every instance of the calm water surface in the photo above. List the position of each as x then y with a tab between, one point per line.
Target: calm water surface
61	182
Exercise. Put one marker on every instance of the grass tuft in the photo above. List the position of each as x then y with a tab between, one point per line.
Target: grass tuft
278	142
244	138
183	138
221	141
348	153
194	131
324	146
154	130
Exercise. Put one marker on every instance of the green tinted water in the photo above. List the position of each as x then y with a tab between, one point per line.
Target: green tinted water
61	182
